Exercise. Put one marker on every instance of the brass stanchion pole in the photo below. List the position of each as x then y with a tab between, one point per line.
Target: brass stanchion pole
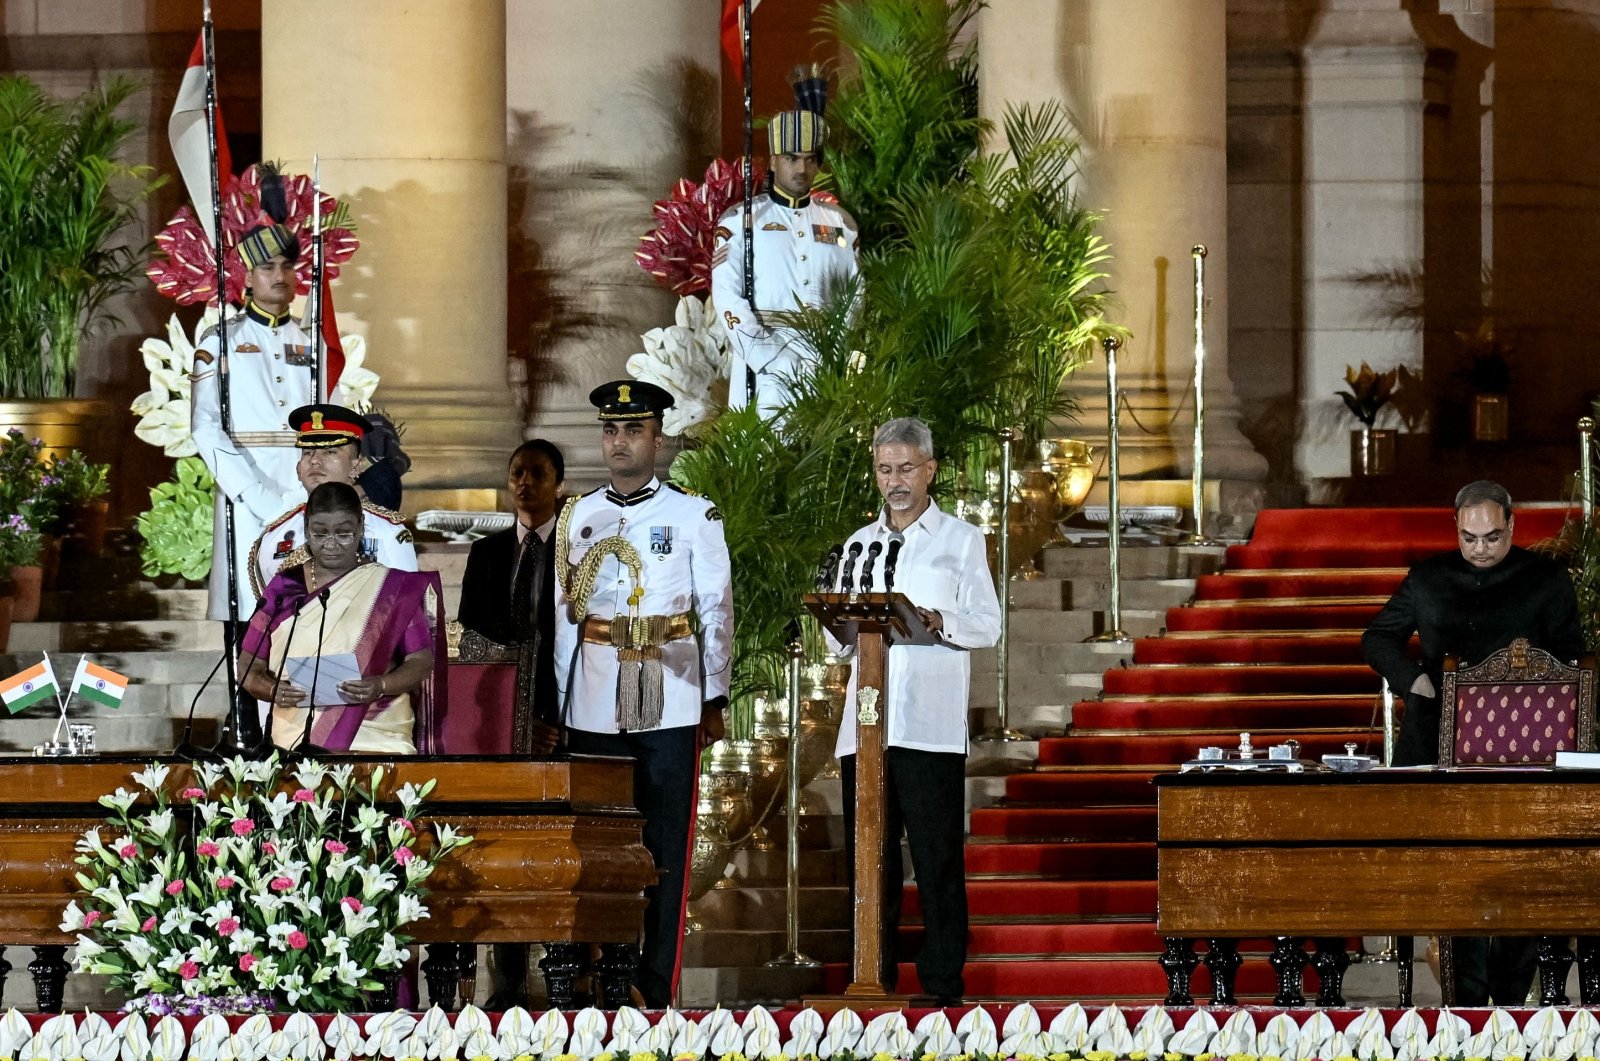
1113	631
1586	466
1198	489
1001	730
793	957
1388	952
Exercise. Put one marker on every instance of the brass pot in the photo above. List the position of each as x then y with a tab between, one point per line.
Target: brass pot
719	804
819	729
1072	464
771	718
730	761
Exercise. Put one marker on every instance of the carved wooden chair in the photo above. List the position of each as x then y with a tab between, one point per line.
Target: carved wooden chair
1516	708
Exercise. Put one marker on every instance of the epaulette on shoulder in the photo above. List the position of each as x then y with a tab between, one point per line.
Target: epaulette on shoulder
209	332
285	518
684	489
299	556
388	514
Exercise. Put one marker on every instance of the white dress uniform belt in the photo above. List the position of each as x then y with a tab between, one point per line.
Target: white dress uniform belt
249	439
647	630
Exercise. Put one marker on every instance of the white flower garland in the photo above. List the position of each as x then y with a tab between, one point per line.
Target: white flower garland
689	359
589	1035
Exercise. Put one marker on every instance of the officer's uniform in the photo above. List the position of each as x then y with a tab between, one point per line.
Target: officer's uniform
805	251
384	537
633	671
269	374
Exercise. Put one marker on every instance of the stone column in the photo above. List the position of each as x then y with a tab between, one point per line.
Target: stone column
610	101
405	103
1145	84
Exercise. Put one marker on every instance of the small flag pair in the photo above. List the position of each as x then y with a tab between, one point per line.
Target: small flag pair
97	685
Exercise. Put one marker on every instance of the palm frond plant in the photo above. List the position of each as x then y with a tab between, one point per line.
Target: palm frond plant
979	293
65	203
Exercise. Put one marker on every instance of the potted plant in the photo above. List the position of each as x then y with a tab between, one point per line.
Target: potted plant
22	547
77	488
66	201
1371	448
177	529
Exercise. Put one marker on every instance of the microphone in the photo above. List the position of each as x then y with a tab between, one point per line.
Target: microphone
847	583
305	747
829	569
866	568
896	540
187	748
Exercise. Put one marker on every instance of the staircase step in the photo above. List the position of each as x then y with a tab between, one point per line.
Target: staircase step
1248	678
1314	649
1136	561
1082	860
1236	713
1354	537
1143	749
1309	585
995	900
1082	789
122	604
141	636
1249	616
1066	823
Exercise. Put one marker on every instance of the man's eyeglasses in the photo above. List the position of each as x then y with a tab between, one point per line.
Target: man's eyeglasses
342	537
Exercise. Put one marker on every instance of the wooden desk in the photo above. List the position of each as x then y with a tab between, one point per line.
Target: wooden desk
1330	856
558	858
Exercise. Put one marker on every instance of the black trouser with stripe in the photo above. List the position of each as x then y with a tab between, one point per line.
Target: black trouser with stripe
925	800
665	775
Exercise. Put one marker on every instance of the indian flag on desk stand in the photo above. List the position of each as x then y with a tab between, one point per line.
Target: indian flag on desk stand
37	683
97	685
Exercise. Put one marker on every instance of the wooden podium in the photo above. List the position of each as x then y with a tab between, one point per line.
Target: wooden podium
871	622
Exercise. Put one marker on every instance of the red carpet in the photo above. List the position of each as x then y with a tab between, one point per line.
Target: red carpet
1061	872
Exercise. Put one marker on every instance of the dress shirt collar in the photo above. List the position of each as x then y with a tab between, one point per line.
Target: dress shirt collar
261	316
929	521
544	530
638	497
782	198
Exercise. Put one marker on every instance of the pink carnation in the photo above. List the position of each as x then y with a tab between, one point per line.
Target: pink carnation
189	970
353	903
246	961
298	940
334	847
207	849
128	850
405	823
225	883
243	827
175	888
268	847
91	917
304	795
281	884
227	926
149	924
193	793
403	854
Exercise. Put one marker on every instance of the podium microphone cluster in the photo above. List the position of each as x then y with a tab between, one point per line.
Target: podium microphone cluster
896	540
866	569
829	569
848	583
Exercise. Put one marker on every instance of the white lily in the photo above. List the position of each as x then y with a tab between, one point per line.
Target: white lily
375	879
159	824
357	381
278	808
409	908
341	773
120	800
390	954
149	893
411	796
152	777
138	950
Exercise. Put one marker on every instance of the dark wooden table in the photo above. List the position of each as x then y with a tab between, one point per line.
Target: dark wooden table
558	858
1327	856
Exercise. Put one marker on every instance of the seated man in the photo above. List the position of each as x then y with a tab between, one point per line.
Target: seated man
328	438
1468	604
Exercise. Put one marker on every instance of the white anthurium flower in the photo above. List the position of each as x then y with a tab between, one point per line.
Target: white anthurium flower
935	1037
14	1031
120	800
805	1032
1279	1038
167	1043
1150	1035
889	1034
206	1041
844	1033
628	1030
690	1042
588	1032
1197	1034
250	1041
519	1033
135	1040
343	1037
1069	1031
357	381
1318	1039
103	1045
480	1044
686	359
152	777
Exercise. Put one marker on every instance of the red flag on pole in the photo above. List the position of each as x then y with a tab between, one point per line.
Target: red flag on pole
733	33
186	129
332	348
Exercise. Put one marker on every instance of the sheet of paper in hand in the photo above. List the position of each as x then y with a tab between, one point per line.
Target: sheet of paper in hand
332	669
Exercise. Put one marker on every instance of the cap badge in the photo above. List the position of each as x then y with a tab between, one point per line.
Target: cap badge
316	421
623	394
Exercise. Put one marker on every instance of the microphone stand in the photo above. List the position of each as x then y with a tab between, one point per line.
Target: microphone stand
890	560
847	584
305	748
866	567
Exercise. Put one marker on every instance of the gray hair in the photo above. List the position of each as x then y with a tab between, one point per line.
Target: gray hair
905	430
1484	492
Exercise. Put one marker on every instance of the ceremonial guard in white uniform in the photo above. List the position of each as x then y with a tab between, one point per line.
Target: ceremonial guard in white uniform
328	439
804	250
643	644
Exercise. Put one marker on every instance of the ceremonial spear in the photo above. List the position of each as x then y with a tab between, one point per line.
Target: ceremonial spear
749	193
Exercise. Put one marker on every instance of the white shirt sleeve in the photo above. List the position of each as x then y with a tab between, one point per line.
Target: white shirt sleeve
975	620
236	474
738	316
712	572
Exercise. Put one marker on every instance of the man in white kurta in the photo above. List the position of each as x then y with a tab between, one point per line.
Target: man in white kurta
805	252
942	566
643	645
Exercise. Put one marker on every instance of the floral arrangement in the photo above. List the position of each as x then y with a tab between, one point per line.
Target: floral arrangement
677	252
1022	1035
21	545
1369	391
163	410
689	359
76	480
37	494
184	267
248	882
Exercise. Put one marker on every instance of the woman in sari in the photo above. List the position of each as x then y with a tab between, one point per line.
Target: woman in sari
337	604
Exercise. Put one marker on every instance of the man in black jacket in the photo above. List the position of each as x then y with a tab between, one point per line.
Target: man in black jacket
1469	604
508	596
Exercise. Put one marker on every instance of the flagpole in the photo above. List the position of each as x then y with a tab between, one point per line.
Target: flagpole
229	532
749	190
60	701
318	358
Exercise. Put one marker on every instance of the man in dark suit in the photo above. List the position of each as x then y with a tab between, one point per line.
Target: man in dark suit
508	596
1470	603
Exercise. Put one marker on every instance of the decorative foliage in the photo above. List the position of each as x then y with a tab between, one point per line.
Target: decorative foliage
677	252
178	527
1021	1033
690	359
1369	391
163	410
973	305
254	879
184	267
65	201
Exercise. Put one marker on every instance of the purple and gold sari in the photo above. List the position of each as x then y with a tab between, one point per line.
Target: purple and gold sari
381	616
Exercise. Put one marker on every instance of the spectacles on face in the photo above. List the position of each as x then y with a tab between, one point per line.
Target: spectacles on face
340	537
903	471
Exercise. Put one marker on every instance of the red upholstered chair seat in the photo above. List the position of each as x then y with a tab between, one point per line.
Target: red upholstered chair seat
1516	708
